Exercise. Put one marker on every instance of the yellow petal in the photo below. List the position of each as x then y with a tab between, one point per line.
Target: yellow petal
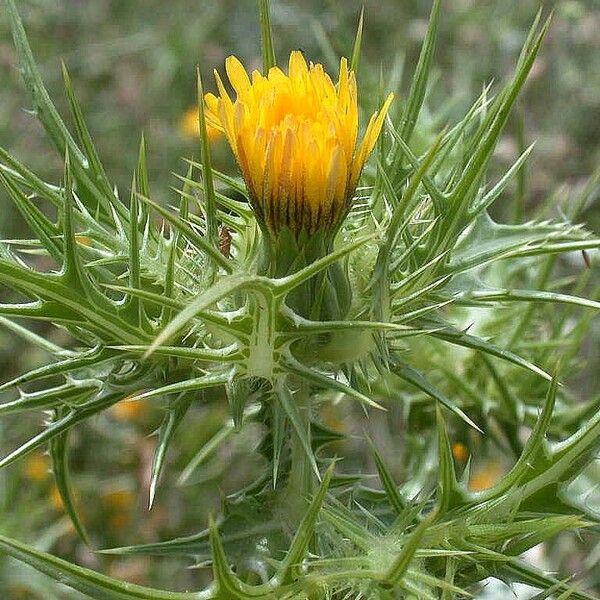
237	75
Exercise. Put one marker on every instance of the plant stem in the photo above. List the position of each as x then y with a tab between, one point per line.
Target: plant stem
302	478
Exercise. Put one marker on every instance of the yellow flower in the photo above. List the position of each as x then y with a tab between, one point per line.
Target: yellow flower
486	476
56	499
189	126
294	137
460	452
118	499
129	409
37	467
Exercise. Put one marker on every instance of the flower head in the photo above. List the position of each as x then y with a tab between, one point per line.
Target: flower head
294	137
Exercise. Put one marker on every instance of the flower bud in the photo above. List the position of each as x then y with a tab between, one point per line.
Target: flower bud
294	137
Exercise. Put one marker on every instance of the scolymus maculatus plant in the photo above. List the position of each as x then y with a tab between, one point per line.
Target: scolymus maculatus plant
320	288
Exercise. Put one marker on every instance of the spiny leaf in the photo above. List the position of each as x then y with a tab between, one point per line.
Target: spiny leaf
213	444
398	570
94	356
461	198
51	120
210	208
60	466
175	414
513	295
187	385
518	570
86	581
389	485
74	416
496	191
37	221
36	340
68	394
194	237
288	404
266	36
418	88
228	585
417	379
213	317
315	377
85	138
382	264
286	284
532	447
355	61
61	302
224	287
227	354
454	336
448	486
304	533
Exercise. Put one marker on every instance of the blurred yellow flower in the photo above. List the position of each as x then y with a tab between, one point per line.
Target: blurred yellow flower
83	240
56	499
128	410
37	467
294	137
460	452
486	476
189	126
119	499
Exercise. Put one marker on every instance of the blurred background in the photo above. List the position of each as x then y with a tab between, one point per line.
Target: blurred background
133	64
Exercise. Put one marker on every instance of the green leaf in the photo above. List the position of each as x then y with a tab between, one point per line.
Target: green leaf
95	585
266	36
195	238
483	145
389	485
287	284
512	295
416	378
210	208
299	546
518	570
68	394
51	120
213	444
46	231
448	485
291	410
85	138
291	365
400	566
186	385
60	466
355	60
224	287
174	415
95	356
228	586
36	340
486	241
418	88
57	427
452	335
498	189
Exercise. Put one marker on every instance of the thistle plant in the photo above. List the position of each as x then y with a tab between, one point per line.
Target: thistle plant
318	280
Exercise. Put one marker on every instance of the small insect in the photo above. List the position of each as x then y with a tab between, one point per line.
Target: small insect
225	241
